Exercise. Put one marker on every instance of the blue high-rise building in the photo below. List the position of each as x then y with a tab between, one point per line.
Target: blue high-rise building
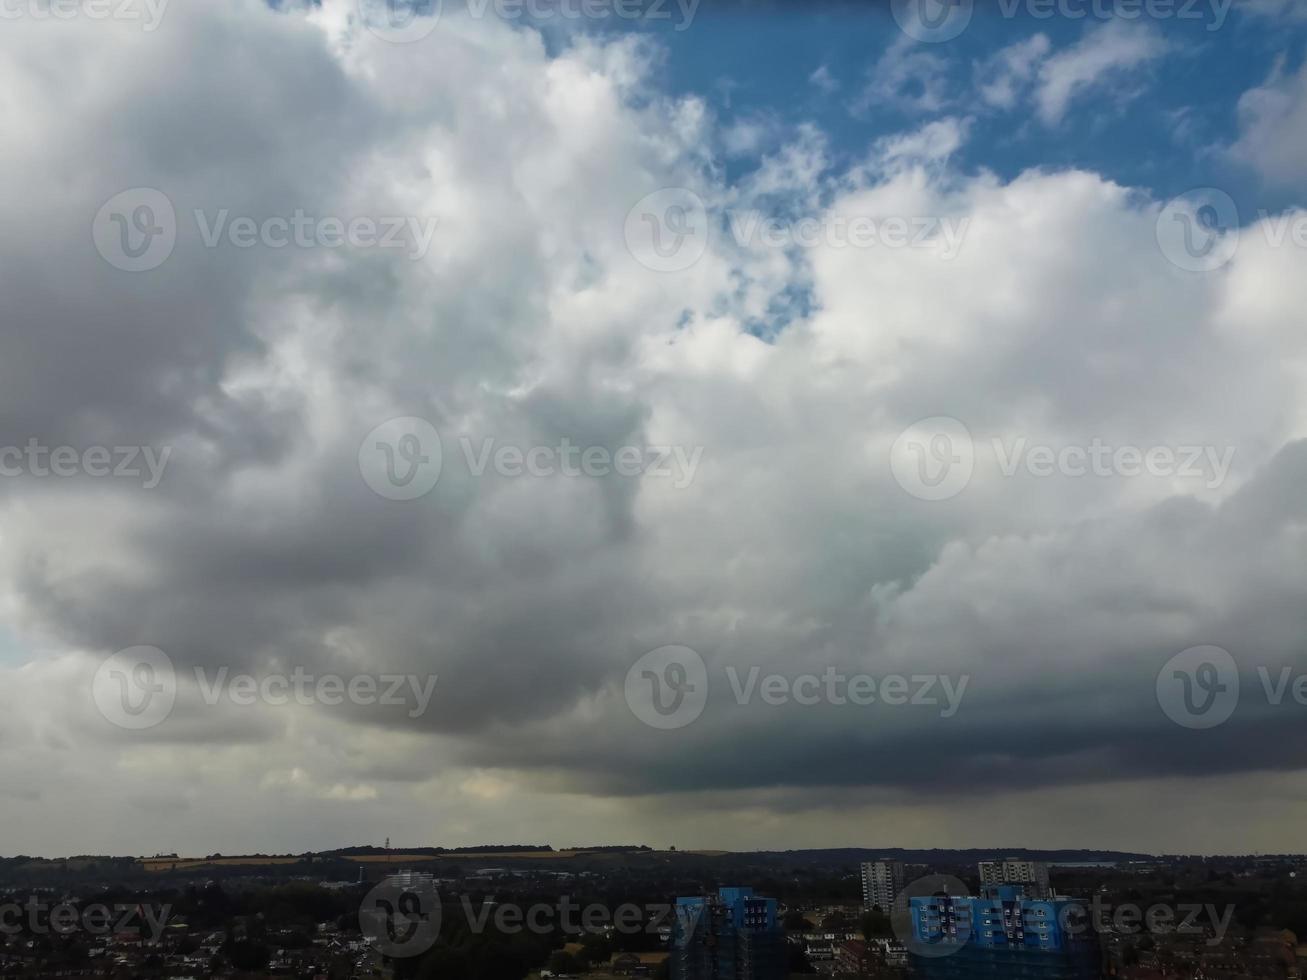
733	935
1002	936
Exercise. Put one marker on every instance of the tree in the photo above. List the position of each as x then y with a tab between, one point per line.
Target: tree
799	960
498	961
875	924
795	921
595	948
564	962
442	963
245	955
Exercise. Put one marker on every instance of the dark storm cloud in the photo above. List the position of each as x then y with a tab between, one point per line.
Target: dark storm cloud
531	321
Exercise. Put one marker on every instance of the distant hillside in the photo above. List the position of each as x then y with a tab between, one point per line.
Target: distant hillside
956	855
477	849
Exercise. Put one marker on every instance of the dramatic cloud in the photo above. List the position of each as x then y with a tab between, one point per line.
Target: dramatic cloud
837	302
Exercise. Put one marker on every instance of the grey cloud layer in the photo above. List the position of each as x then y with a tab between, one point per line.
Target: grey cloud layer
529	322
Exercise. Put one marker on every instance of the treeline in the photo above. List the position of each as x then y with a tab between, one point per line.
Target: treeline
950	856
477	849
469	951
469	946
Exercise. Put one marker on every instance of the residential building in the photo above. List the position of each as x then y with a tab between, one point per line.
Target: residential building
881	883
876	959
636	964
851	958
733	935
890	951
412	880
1031	876
1001	935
